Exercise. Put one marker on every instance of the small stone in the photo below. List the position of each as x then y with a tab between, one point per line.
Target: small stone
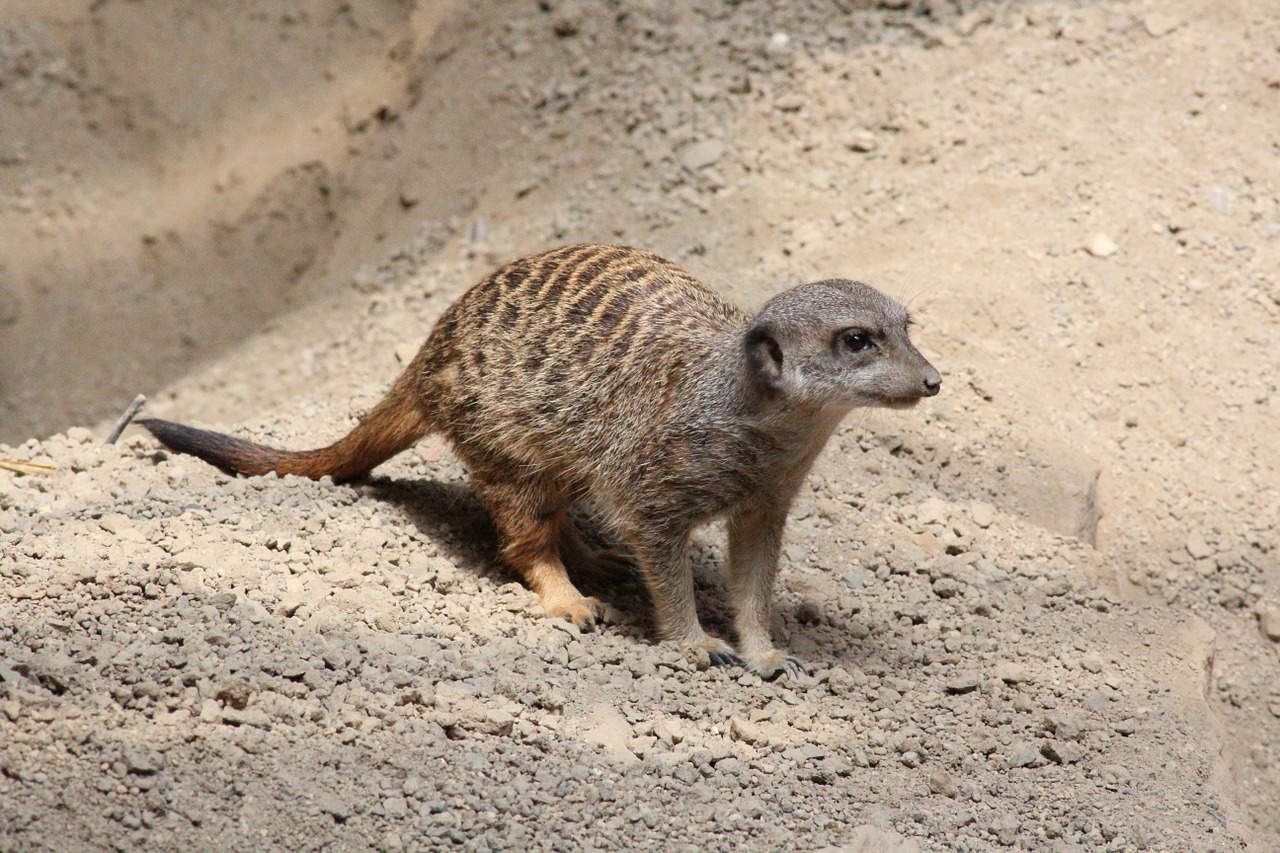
334	806
946	587
494	721
747	732
1126	727
1023	754
1058	586
862	141
729	765
858	578
210	711
612	732
1065	724
1060	752
1269	621
701	155
235	693
1160	24
1010	672
941	783
1197	547
142	760
1091	662
790	103
668	731
983	514
965	682
933	511
1006	828
247	717
1101	246
12	710
777	44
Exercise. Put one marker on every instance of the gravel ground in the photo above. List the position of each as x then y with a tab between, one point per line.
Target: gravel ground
1040	610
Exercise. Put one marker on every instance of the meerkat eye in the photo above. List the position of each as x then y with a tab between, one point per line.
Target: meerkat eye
857	341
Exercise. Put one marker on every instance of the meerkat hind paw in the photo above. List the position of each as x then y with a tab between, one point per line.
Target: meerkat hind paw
584	612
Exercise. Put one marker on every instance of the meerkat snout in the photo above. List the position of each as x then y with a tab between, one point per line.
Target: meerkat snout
932	380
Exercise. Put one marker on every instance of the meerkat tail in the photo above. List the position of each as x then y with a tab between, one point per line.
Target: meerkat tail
393	425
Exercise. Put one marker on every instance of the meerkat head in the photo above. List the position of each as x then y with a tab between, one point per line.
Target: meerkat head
837	344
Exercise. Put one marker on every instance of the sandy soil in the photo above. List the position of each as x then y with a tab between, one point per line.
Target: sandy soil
1042	610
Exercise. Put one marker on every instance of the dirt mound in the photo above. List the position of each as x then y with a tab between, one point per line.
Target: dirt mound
1036	607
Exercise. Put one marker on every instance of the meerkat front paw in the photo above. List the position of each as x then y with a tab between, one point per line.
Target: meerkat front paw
719	652
774	663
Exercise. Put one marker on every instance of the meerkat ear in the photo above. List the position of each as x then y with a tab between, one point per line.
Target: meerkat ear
764	356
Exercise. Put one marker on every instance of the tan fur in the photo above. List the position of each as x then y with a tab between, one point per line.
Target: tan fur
607	374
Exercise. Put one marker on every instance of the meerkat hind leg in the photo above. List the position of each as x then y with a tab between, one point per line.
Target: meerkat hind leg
530	516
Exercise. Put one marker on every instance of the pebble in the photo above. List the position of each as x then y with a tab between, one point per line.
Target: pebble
747	732
862	141
1101	246
1160	24
1011	672
858	578
1269	621
933	511
946	587
333	805
1061	752
965	682
142	760
1197	547
611	732
1067	725
1023	754
1091	662
983	514
941	783
701	155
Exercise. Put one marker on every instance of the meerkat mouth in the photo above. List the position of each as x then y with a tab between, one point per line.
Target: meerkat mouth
905	402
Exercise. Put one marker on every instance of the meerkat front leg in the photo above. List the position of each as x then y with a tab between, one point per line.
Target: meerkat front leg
755	539
664	566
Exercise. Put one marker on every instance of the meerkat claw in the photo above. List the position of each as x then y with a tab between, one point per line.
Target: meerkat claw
794	667
725	659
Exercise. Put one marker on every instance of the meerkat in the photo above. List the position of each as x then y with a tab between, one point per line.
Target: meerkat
609	375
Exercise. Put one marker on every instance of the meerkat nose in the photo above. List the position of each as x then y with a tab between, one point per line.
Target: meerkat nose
932	382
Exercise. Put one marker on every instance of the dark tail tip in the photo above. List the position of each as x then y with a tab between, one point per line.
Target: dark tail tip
233	455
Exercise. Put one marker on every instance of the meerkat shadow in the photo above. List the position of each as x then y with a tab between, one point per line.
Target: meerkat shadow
453	517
